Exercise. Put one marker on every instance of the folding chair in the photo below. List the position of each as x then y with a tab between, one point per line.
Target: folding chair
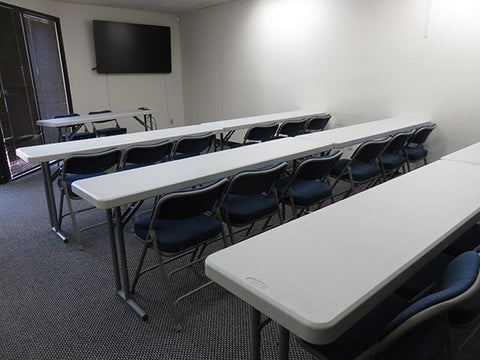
252	196
83	166
363	166
291	127
415	150
74	134
317	123
188	146
113	129
393	159
397	329
142	155
260	133
309	183
183	223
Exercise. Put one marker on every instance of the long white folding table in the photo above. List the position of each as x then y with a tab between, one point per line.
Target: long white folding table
50	152
144	117
469	154
316	276
231	125
111	191
354	134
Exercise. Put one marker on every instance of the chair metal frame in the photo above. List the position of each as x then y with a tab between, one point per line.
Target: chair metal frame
291	127
260	133
315	168
104	131
272	173
195	251
346	174
193	145
93	163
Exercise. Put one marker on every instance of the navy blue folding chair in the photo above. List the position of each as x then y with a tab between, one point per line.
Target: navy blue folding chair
393	158
183	223
309	183
291	127
397	329
363	167
252	196
113	127
74	133
260	133
317	123
192	145
83	166
146	154
415	150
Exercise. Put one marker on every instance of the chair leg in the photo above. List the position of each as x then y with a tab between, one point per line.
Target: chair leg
167	286
74	220
60	210
139	268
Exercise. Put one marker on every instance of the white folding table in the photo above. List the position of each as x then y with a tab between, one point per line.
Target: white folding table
316	276
354	134
111	191
77	121
469	154
57	151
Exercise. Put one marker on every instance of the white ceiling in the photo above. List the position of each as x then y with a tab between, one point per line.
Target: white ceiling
164	6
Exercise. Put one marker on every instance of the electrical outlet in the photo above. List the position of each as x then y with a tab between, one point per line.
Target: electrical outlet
171	121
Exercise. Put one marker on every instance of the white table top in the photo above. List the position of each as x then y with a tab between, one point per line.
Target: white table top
124	187
55	151
82	119
243	123
354	134
319	274
470	154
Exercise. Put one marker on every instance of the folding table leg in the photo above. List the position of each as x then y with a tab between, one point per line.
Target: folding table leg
255	333
284	343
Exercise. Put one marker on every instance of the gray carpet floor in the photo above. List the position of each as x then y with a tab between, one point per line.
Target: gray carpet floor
57	302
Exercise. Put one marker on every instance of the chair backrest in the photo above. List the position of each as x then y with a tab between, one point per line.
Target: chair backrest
257	181
370	150
316	167
317	122
399	141
193	144
291	127
147	154
92	163
458	282
422	134
263	132
65	116
188	203
103	121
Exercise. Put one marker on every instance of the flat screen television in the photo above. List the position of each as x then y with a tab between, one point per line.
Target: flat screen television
131	48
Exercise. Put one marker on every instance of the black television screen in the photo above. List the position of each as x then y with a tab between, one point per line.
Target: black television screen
131	48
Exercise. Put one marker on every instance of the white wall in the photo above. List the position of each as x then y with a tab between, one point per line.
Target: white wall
358	59
90	90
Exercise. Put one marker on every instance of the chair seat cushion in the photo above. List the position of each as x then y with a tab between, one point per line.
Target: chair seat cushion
243	209
69	179
361	171
81	135
135	166
306	192
392	161
111	131
415	154
174	236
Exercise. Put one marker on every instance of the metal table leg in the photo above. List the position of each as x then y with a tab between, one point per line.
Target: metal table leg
255	332
52	210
